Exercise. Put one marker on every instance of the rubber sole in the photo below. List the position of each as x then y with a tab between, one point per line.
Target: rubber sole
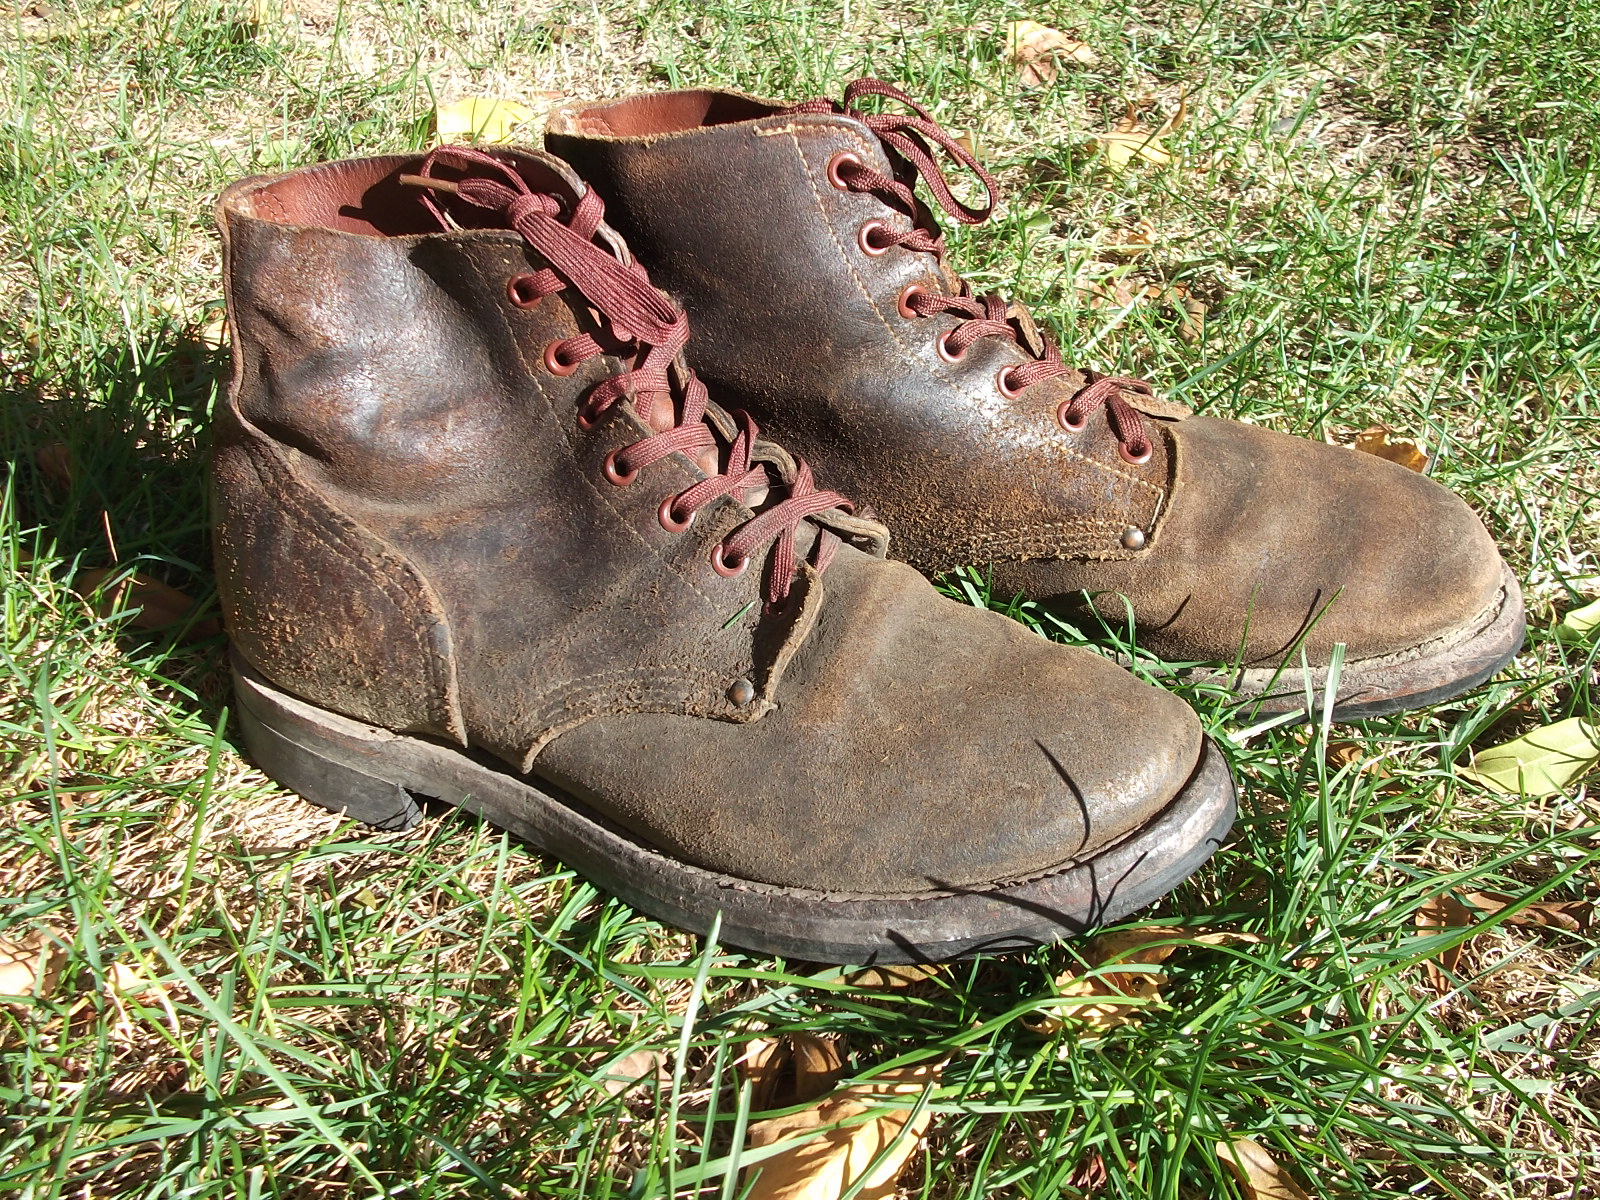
374	776
1429	673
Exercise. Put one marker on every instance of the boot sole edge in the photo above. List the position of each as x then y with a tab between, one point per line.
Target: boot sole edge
373	775
1412	678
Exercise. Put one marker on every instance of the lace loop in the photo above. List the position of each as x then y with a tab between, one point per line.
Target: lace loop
644	325
909	141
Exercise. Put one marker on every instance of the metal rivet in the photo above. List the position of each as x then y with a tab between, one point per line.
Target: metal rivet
1132	538
741	692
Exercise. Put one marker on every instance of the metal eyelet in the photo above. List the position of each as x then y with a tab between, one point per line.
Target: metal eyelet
1005	388
669	522
615	476
949	355
864	237
518	295
842	159
586	419
554	363
1061	418
721	565
1137	460
908	293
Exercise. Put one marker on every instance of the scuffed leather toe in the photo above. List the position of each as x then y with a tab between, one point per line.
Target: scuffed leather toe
916	746
1273	541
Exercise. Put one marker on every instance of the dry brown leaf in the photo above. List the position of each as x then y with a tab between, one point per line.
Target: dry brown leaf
1176	120
1123	993
1437	915
635	1070
1128	243
1259	1176
1383	442
1117	291
1090	1175
1343	754
160	607
29	966
1571	915
825	1165
55	463
792	1069
1191	319
891	975
1036	50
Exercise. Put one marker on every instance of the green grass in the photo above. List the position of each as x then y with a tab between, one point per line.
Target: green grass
1390	210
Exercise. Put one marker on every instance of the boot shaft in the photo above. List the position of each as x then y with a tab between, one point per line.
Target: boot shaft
417	521
741	209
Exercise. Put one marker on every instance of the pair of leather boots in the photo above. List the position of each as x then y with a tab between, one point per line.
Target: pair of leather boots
492	525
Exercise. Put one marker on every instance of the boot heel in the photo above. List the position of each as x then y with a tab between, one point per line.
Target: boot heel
287	750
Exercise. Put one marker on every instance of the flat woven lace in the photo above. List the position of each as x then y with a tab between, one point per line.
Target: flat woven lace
644	327
910	139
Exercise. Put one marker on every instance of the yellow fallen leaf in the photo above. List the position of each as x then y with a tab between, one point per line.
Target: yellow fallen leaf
1123	146
1035	50
213	333
480	120
125	981
792	1069
836	1140
28	966
1541	763
1383	442
1259	1176
1128	140
1578	624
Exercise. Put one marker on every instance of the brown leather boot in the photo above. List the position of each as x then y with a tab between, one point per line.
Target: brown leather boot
822	303
481	536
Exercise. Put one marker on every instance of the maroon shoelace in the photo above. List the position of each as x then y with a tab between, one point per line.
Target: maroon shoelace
646	328
910	139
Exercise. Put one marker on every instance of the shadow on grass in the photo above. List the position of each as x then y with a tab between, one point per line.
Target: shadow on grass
107	459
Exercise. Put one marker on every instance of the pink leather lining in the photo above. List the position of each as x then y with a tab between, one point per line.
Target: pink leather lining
670	112
363	196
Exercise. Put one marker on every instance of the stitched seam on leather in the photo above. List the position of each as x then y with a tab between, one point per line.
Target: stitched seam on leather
916	361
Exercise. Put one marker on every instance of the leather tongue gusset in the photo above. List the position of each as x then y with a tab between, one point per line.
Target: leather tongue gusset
1155	406
1027	332
780	634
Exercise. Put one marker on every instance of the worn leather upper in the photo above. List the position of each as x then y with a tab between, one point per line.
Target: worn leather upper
1231	542
415	529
